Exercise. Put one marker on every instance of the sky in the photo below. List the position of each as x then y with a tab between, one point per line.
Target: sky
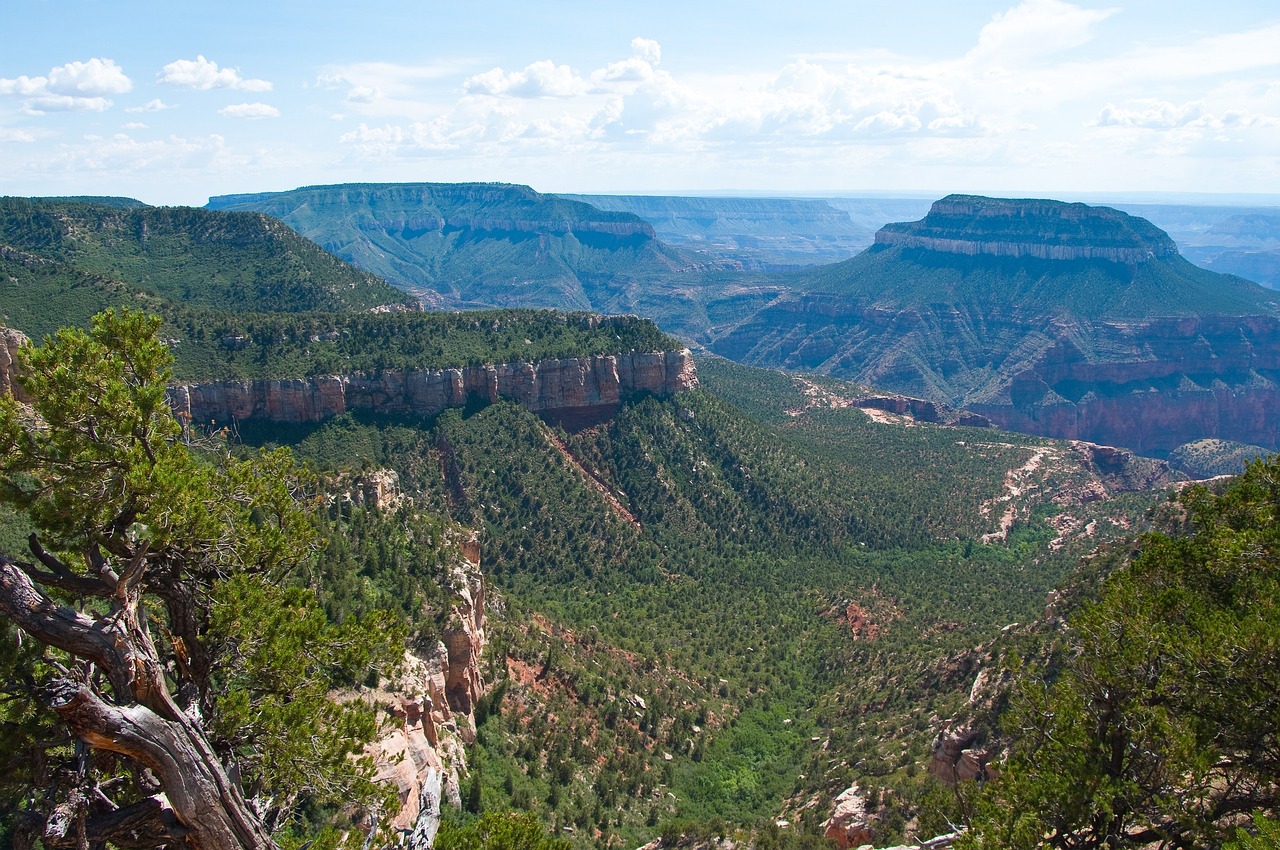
173	102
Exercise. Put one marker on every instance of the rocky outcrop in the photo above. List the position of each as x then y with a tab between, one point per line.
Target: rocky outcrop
574	392
10	341
922	410
850	825
958	755
1047	230
432	711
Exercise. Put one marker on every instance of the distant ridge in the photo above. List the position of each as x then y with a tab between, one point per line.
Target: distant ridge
1048	230
764	233
66	259
478	244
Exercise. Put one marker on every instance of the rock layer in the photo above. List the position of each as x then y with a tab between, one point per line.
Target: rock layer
1062	320
575	391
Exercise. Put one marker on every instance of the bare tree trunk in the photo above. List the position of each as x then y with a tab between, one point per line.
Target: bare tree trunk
209	808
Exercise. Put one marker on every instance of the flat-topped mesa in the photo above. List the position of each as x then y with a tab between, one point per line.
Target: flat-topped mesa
443	207
971	225
575	392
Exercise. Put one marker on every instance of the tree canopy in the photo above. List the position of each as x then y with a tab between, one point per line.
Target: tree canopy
177	686
1161	730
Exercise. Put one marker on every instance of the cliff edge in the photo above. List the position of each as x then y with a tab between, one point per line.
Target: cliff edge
575	392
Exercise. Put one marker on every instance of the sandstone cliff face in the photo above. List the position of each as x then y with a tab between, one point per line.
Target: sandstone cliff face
432	707
574	391
1038	250
10	341
1147	385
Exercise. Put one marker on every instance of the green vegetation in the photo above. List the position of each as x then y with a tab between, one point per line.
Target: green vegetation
707	610
228	261
498	831
1159	724
710	612
189	644
266	345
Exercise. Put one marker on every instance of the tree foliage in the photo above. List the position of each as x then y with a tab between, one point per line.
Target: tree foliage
1162	728
187	669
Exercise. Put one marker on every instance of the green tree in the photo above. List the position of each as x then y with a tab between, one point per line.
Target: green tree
188	672
498	831
1162	727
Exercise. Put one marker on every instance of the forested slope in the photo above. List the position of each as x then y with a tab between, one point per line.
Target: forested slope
720	587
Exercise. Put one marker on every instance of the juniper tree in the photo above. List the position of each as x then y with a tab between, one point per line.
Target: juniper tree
166	673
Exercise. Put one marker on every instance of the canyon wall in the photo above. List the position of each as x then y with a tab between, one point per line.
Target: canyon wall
1162	383
574	392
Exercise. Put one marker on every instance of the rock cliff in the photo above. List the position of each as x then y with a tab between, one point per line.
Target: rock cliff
10	341
574	392
421	751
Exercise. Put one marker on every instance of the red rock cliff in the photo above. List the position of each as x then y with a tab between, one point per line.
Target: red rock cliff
574	391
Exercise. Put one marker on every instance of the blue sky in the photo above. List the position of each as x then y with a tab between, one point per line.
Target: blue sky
171	102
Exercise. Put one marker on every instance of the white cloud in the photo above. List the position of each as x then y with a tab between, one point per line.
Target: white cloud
364	94
1036	29
73	87
204	74
93	78
154	105
541	79
135	125
1150	114
87	79
250	111
65	103
646	49
640	67
1038	93
9	134
123	153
